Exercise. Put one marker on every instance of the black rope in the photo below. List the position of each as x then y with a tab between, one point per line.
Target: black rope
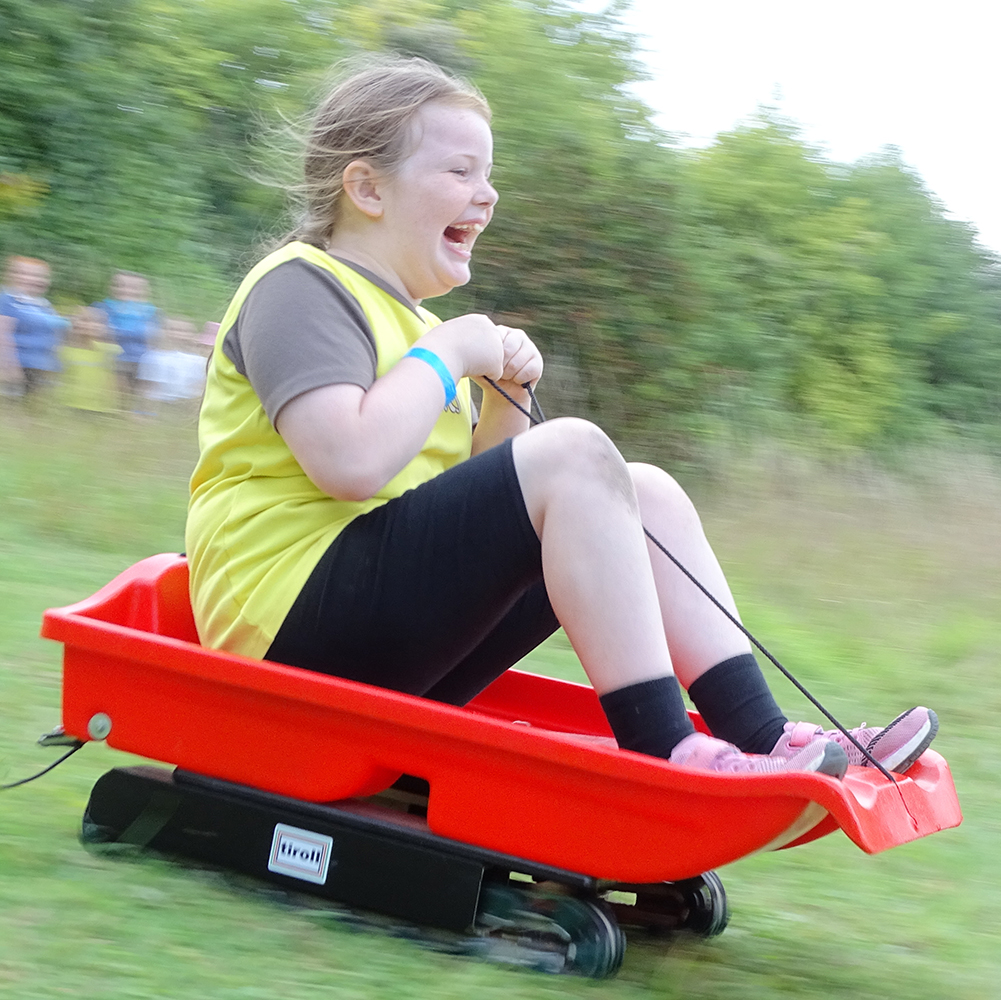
534	403
733	620
785	672
45	770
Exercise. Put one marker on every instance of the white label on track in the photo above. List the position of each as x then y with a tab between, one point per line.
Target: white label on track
300	854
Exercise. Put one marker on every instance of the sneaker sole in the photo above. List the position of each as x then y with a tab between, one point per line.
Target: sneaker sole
906	755
833	762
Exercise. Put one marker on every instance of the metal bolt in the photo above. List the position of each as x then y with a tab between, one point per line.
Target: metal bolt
99	726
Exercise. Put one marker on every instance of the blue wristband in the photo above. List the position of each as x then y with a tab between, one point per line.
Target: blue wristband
432	359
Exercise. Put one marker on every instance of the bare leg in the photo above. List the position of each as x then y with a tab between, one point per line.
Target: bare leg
698	634
581	501
620	610
627	610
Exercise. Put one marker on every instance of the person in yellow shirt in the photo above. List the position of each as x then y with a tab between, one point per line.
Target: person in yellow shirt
350	513
89	379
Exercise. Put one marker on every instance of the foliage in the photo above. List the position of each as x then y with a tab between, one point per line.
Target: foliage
841	293
754	281
137	115
943	293
18	193
583	249
804	306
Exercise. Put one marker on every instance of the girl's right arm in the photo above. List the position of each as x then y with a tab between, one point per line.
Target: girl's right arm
351	442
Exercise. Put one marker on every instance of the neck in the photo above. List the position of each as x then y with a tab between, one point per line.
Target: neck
357	252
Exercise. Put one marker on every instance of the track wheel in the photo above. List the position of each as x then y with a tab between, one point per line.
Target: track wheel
548	930
696	904
708	913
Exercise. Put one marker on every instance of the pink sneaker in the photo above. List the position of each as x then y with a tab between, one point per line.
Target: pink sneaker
895	746
709	754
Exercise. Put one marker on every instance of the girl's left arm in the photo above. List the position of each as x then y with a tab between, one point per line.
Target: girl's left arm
499	420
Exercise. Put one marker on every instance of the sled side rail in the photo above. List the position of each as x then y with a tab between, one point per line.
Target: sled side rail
535	791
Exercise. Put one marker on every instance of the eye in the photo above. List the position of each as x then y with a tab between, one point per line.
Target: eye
460	171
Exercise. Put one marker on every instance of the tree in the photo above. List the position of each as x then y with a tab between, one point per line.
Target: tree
667	289
943	307
135	117
843	295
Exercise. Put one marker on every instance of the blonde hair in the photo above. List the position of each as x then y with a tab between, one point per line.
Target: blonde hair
369	114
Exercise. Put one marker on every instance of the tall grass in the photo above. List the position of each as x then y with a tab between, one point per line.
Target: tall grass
879	590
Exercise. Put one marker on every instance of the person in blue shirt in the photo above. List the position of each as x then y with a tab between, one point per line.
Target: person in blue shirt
28	319
133	321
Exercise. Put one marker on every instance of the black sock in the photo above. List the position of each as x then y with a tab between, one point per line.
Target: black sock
648	717
737	706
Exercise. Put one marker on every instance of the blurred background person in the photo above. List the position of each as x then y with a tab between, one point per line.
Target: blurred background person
134	324
206	340
90	378
28	320
175	372
11	378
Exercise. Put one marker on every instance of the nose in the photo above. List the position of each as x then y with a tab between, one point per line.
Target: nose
487	195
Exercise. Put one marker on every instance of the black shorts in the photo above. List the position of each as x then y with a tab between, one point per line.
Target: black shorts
435	593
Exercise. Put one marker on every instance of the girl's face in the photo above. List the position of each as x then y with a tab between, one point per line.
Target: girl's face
86	329
438	201
88	325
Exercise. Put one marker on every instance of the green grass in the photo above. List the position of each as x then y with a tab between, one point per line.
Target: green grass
878	591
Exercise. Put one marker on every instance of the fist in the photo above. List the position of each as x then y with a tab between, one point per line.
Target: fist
522	360
471	345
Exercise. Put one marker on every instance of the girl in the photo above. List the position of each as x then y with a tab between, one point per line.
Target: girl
88	359
351	514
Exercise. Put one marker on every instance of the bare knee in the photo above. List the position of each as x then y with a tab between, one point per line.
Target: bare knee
661	492
574	453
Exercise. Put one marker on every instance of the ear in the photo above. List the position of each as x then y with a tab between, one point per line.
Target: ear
361	185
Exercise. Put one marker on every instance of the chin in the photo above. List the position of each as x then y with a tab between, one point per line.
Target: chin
444	285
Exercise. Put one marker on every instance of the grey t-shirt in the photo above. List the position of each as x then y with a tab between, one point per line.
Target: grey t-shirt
300	329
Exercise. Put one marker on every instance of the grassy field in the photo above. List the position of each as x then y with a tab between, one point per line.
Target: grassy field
879	592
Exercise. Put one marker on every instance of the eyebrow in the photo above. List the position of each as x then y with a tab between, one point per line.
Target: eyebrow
473	157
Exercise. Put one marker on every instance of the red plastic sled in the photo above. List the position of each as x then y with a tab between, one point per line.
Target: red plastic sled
547	791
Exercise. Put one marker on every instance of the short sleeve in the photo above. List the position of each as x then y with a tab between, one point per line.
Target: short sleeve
300	329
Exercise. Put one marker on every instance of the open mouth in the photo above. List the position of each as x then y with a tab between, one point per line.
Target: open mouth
462	235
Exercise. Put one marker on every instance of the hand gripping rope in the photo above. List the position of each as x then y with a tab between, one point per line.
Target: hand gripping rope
872	760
